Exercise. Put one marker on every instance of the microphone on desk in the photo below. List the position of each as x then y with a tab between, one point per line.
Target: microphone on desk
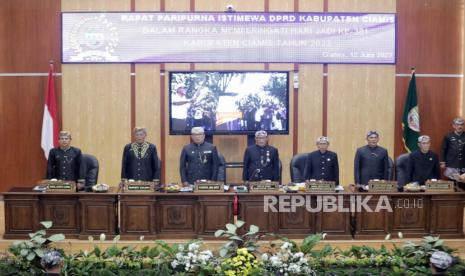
254	174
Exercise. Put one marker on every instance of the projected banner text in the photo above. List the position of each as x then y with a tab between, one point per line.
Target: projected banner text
228	37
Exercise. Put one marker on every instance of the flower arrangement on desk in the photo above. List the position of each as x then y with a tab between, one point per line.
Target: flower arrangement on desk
238	256
286	262
244	263
27	254
190	260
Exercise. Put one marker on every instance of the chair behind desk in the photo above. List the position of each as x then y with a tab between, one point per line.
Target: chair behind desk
297	167
91	168
158	173
401	169
221	168
391	169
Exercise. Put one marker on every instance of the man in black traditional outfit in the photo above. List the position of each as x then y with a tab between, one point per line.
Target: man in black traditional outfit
199	159
423	164
322	164
261	161
140	159
453	151
371	161
64	161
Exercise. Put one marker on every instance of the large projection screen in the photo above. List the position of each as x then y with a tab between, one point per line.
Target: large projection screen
229	102
229	37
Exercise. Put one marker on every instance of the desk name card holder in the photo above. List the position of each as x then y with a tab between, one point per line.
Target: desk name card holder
207	186
382	186
263	186
439	186
140	186
61	186
319	186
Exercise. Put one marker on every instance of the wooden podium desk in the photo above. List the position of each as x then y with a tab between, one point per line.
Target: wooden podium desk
415	214
77	215
297	223
174	215
199	215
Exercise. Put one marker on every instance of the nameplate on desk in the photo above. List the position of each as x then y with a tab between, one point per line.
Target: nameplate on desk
382	186
320	186
263	186
439	186
61	186
139	186
209	187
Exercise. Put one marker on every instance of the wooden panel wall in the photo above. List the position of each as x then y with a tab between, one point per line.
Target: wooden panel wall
220	5
147	98
147	5
97	101
93	5
96	109
381	6
439	100
310	106
310	96
285	142
360	97
97	98
147	90
29	38
23	159
430	38
177	5
173	144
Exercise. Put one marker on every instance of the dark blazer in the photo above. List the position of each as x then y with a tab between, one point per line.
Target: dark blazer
453	151
198	162
322	166
65	165
140	165
422	166
261	163
370	163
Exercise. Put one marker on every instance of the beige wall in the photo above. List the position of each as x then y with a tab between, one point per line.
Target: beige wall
96	101
97	98
96	109
360	97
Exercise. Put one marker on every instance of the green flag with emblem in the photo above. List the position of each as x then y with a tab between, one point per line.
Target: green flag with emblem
411	117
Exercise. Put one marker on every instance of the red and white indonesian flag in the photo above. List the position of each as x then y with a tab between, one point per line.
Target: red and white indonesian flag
50	119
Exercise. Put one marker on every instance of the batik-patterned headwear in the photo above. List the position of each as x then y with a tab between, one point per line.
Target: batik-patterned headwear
372	132
197	130
424	138
140	129
458	121
261	133
322	139
65	133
